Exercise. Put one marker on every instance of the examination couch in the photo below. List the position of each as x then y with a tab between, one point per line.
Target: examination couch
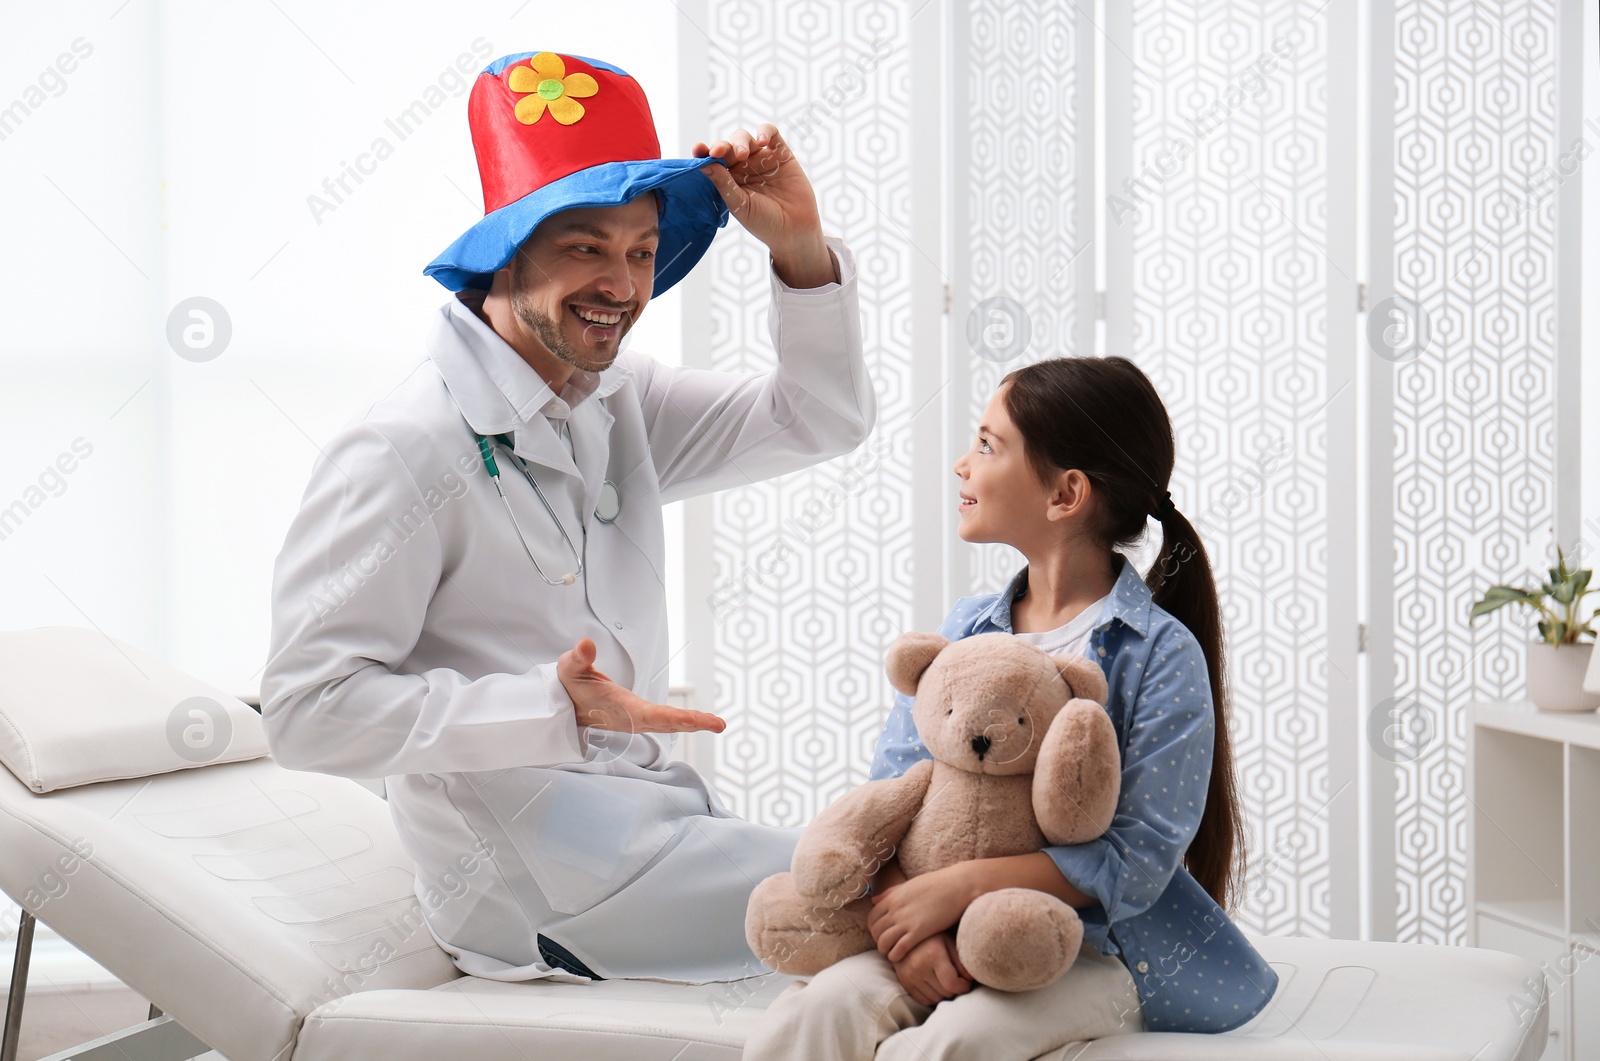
271	916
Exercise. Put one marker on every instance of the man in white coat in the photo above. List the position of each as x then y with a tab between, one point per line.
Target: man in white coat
470	603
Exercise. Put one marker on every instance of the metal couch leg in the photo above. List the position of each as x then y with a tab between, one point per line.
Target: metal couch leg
162	1039
19	988
158	1037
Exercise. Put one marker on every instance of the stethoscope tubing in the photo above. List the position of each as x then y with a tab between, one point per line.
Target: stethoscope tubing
494	473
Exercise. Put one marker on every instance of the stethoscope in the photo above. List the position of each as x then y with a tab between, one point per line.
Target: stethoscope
608	508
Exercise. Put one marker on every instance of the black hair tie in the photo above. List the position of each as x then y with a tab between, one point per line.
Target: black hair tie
1165	507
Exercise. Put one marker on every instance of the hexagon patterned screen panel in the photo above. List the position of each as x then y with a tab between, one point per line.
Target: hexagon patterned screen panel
1230	200
1475	384
813	572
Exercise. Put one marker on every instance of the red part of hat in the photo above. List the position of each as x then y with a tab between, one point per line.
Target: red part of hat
515	159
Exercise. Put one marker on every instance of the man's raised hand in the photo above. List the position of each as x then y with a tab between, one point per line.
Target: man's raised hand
768	193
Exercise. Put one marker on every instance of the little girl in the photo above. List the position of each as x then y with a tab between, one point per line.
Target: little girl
1072	456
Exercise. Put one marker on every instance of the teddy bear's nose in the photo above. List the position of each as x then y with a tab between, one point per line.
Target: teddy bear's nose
980	744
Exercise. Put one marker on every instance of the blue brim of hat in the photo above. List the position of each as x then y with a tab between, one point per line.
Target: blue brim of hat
691	212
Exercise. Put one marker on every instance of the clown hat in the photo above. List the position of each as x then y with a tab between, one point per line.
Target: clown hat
553	132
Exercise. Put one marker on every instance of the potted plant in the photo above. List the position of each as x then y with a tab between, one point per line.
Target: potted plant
1557	663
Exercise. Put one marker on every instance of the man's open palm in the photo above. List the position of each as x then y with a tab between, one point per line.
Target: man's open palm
600	702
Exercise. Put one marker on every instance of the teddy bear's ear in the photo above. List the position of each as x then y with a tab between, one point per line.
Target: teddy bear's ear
1083	676
909	656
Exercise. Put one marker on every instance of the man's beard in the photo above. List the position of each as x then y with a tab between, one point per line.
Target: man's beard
550	332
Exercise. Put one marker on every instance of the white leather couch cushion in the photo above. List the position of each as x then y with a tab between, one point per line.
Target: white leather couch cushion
612	1020
1344	1000
238	898
1337	1001
78	707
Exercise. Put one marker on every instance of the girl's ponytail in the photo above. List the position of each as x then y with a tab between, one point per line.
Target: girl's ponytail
1180	581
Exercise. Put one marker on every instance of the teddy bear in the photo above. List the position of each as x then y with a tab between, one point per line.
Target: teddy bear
1023	755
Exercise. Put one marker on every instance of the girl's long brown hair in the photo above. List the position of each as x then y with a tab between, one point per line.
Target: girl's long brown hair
1102	416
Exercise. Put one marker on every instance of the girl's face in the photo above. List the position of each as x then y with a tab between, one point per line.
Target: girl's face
1001	498
1000	495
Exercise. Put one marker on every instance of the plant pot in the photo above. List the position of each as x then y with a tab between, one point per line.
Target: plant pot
1555	676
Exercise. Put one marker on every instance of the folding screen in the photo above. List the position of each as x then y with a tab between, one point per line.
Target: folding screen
1371	429
1230	217
798	585
1474	398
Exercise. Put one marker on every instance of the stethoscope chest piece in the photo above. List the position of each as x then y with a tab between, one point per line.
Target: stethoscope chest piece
610	504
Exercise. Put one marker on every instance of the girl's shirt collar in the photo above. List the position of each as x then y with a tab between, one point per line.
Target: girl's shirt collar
1130	601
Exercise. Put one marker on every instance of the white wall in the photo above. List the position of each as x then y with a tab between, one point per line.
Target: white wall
176	160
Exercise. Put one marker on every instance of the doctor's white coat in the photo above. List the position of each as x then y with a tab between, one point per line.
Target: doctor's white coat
413	640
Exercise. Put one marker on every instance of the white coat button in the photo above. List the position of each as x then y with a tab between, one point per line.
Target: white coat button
1143	967
617	625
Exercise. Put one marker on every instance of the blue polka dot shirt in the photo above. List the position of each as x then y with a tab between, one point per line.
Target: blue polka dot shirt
1195	970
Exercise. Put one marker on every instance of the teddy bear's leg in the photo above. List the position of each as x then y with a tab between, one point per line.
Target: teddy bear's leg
1017	939
801	936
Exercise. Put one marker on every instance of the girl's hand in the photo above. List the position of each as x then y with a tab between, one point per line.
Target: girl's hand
932	972
906	914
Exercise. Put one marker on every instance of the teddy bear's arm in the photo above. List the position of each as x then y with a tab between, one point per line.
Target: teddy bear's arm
845	846
1078	777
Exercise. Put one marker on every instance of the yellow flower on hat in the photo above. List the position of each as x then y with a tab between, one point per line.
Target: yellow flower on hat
546	80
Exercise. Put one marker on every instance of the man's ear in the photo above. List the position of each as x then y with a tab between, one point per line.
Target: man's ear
909	656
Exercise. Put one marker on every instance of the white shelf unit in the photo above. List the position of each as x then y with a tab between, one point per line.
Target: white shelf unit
1533	842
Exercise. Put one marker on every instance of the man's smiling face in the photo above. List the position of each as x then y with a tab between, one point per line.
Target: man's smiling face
580	281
